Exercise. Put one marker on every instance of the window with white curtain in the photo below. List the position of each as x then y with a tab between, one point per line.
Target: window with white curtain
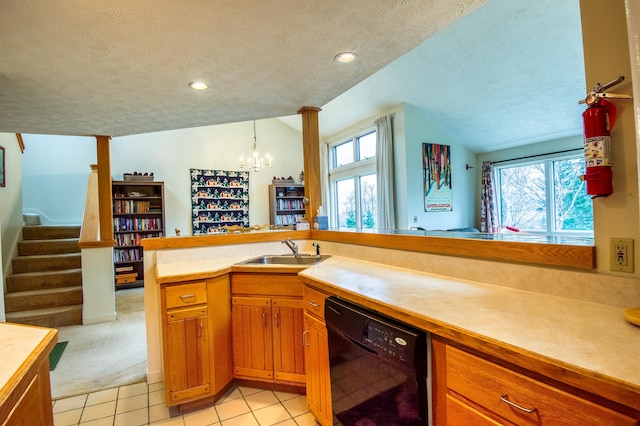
352	180
545	196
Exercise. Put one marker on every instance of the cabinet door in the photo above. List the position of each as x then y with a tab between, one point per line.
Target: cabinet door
316	349
187	355
288	352
252	337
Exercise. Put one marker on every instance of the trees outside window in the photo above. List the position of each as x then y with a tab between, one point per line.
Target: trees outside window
546	196
353	182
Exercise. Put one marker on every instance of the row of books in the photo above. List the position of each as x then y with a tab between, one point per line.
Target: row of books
288	219
289	205
127	255
134	239
136	224
133	206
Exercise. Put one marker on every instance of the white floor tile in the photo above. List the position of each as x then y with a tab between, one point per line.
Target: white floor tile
243	420
67	404
67	418
261	399
289	422
133	390
271	415
138	417
99	411
283	396
232	408
132	403
205	417
176	421
246	391
156	397
156	386
105	421
306	420
158	412
231	394
296	406
102	396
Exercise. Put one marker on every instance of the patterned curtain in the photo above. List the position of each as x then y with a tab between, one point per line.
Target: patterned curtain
489	221
386	193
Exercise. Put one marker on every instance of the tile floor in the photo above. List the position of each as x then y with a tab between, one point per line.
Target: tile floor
142	404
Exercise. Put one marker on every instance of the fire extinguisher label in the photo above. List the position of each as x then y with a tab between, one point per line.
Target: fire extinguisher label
597	151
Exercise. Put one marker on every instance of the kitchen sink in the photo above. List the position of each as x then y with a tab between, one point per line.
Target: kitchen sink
285	259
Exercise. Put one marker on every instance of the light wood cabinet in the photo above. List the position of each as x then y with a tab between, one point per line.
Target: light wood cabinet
267	318
316	350
196	322
474	390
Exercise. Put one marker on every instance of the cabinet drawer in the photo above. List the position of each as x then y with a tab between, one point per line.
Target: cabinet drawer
486	383
314	301
266	284
185	295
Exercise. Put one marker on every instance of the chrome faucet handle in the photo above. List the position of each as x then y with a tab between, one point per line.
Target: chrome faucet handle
317	246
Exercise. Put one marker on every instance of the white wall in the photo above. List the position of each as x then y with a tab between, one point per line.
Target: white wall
170	155
56	189
10	207
420	128
55	174
411	127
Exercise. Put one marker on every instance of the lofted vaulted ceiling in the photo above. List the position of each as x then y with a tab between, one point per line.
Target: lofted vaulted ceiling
493	74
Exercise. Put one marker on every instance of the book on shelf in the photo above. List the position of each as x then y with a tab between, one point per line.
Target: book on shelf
122	269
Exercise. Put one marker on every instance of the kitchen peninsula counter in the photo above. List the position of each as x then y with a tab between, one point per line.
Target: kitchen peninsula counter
583	344
570	340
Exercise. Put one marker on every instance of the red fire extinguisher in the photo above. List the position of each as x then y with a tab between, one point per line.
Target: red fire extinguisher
598	120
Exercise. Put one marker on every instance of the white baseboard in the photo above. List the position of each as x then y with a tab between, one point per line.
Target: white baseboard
95	320
154	377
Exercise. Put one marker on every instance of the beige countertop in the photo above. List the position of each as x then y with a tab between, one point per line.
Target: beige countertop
565	332
580	336
21	345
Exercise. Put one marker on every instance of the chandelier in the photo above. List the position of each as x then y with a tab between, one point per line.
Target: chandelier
255	162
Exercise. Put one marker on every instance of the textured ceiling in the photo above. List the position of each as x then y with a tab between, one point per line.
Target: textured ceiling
507	74
120	67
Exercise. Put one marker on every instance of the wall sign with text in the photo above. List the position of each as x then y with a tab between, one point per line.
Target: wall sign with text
436	165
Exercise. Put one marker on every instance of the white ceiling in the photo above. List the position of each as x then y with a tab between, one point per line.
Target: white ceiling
507	73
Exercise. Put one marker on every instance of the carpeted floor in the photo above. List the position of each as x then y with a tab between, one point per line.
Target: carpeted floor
104	355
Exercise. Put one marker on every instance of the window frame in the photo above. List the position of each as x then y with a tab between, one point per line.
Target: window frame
551	215
355	170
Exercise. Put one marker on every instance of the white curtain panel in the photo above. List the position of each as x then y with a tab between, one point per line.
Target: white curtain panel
385	174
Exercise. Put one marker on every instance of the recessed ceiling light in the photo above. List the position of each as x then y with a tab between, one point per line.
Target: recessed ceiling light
198	85
345	57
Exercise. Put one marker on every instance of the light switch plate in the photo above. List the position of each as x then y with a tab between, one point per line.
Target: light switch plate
621	255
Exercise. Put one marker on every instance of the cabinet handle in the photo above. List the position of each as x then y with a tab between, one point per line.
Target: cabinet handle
264	319
201	329
304	338
504	398
277	316
314	304
187	296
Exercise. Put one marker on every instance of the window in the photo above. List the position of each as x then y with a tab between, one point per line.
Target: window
545	196
353	182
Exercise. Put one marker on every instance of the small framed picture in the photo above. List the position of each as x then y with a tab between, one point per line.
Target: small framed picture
3	180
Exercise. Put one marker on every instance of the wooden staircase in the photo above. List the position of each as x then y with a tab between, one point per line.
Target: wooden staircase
45	288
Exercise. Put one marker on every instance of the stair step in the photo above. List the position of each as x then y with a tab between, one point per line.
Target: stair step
47	232
56	246
42	299
43	280
51	317
51	262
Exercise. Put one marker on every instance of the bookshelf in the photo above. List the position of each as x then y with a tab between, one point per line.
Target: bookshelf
138	212
286	203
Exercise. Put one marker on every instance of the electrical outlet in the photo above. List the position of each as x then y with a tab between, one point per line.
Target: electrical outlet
415	219
621	255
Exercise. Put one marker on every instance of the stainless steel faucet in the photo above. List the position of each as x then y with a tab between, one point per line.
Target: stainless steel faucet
293	246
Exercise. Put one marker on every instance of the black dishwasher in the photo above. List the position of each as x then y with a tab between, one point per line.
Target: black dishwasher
378	367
